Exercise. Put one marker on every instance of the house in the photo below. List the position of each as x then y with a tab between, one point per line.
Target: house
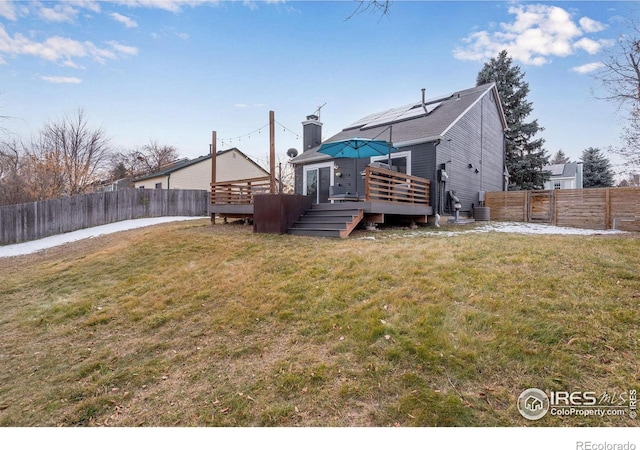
195	173
564	176
455	142
112	186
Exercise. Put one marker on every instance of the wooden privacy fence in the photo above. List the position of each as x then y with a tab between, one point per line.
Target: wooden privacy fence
29	221
597	209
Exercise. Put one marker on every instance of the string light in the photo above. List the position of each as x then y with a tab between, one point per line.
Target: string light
284	128
259	131
239	138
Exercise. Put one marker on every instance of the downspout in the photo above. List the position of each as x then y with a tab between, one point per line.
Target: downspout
436	194
481	141
168	181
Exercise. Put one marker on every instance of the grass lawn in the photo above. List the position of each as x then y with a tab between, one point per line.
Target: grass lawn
191	325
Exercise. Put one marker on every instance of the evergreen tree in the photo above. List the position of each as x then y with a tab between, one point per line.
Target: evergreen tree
525	156
560	158
596	169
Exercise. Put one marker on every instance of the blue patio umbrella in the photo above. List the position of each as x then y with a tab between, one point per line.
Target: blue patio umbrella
356	148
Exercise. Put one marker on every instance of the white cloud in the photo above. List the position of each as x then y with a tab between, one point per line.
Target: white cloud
126	21
588	45
91	5
8	10
591	26
62	80
537	33
251	4
59	13
123	49
167	5
588	68
60	50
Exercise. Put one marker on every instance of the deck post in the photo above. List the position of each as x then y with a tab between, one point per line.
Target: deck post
367	174
213	172
272	152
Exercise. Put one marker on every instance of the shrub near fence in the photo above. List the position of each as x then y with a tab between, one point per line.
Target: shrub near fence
29	221
598	209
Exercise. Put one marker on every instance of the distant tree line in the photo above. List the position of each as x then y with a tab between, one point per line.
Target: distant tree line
69	157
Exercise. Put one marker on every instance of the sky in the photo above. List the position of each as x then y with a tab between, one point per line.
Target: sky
173	71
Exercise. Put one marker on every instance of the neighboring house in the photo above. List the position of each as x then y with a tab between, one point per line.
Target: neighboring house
195	173
456	141
564	176
112	186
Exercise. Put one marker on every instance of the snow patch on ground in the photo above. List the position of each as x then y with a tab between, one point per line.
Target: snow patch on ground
508	227
26	248
538	228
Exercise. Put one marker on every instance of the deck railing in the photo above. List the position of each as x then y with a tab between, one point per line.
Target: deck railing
238	192
390	186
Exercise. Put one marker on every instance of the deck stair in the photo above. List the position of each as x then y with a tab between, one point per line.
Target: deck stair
322	220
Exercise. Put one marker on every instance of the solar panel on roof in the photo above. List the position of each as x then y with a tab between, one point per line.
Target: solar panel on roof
365	120
392	115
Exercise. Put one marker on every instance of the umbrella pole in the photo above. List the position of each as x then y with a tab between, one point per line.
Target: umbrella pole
390	145
356	176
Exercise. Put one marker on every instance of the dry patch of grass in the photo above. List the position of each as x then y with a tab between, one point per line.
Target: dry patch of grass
191	325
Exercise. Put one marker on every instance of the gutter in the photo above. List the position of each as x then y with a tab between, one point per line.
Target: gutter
419	141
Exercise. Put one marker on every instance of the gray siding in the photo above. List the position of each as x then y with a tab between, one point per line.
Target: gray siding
423	164
297	188
476	139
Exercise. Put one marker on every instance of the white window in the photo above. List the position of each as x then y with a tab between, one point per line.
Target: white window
557	185
400	161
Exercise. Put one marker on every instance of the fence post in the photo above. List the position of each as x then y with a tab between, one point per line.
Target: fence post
554	219
607	220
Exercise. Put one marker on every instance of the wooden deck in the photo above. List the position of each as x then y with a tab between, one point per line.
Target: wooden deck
386	193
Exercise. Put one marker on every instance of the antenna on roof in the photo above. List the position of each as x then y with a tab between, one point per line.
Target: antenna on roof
318	110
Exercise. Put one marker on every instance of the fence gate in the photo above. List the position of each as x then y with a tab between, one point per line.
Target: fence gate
541	206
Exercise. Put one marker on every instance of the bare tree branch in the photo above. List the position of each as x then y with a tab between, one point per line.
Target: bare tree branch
620	80
620	75
67	156
381	7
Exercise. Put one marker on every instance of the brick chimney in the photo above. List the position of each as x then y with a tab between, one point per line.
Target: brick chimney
311	132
